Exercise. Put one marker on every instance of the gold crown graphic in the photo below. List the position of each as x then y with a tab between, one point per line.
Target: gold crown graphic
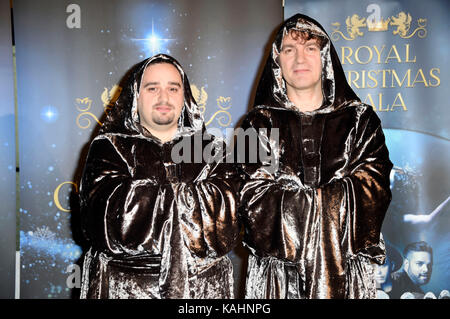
381	25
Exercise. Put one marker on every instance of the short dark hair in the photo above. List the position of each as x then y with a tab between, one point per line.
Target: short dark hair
417	246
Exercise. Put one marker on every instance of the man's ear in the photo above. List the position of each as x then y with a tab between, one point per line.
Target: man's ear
406	265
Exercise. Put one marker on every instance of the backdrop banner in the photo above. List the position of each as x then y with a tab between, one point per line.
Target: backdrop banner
71	57
396	55
7	158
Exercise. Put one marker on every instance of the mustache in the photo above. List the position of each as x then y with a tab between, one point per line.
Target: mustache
164	104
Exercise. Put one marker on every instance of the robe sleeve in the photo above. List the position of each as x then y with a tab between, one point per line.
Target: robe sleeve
129	205
275	208
281	215
208	209
362	196
121	205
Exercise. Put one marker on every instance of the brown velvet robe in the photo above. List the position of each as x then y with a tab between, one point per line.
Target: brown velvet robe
158	229
302	247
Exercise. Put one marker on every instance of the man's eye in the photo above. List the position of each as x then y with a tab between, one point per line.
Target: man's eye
151	89
287	51
174	90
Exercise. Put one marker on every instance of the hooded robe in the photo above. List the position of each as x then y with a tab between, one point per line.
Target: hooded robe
157	228
301	247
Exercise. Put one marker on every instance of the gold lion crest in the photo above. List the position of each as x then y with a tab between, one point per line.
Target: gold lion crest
401	21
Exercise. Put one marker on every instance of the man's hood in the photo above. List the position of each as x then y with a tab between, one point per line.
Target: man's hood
123	117
271	90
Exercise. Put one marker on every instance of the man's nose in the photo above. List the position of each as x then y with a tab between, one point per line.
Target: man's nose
299	56
163	95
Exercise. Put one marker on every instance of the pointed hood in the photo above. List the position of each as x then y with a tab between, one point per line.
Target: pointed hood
123	117
271	90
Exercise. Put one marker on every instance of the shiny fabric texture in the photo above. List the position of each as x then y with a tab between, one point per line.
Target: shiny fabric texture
158	229
302	245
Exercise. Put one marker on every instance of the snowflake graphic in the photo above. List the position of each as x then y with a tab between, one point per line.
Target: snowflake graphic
44	232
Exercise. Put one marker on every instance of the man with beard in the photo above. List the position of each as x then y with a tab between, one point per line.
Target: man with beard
417	268
313	223
158	227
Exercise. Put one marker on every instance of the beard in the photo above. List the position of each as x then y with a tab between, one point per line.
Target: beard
419	279
163	118
422	280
